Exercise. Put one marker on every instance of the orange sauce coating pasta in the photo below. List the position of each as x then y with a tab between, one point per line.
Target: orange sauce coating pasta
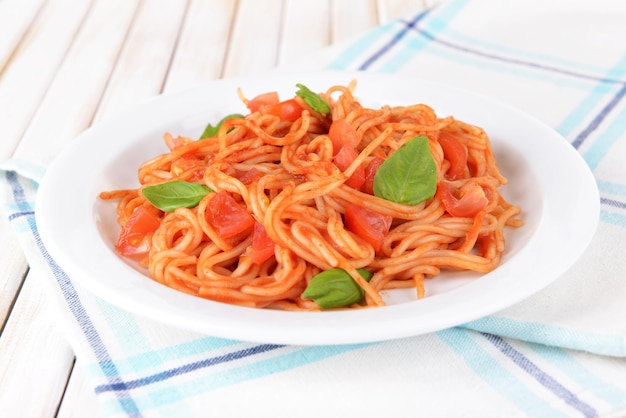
283	173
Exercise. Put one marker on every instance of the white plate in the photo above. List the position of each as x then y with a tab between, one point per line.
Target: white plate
547	178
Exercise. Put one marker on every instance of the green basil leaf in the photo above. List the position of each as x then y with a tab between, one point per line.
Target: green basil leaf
175	194
314	100
409	175
211	130
335	288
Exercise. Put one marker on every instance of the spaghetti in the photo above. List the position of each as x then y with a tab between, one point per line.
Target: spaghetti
271	200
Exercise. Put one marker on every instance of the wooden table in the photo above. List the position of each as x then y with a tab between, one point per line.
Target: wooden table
65	64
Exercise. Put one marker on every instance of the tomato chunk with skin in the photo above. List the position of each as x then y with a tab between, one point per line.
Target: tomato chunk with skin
342	133
371	226
343	159
289	110
184	163
264	99
456	154
370	172
466	202
262	248
227	217
134	240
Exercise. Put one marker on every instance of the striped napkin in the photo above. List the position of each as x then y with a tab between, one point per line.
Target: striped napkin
560	353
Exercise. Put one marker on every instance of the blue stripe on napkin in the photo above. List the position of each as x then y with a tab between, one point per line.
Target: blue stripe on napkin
186	368
601	146
157	395
582	376
398	57
356	50
541	376
392	42
501	379
499	56
26	214
591	101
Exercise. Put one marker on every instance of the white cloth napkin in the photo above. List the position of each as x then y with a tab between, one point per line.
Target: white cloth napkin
560	353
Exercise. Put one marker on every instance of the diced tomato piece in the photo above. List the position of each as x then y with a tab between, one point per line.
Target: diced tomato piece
262	247
484	243
466	202
370	172
456	154
270	104
134	240
372	226
342	133
264	99
226	216
289	110
184	163
343	159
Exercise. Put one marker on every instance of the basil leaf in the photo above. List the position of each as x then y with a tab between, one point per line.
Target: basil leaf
335	288
314	100
211	130
175	194
409	175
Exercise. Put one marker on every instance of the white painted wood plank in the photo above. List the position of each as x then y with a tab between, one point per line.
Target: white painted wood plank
255	38
350	18
15	18
70	103
35	357
201	50
33	64
79	400
144	61
306	29
13	267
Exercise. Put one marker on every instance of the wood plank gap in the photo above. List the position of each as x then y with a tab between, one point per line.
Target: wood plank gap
53	74
350	21
281	32
13	264
201	49
119	52
230	39
67	383
80	399
14	300
36	355
79	82
176	42
145	57
332	16
331	22
8	57
382	12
